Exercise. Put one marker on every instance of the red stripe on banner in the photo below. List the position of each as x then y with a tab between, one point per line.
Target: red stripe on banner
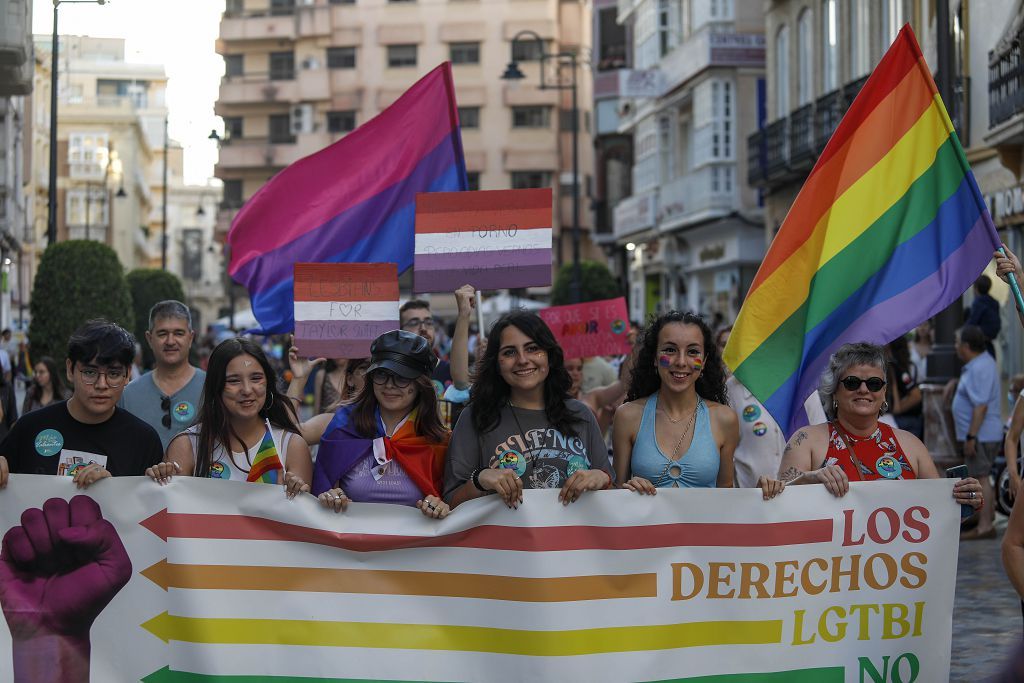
492	537
486	221
468	211
346	282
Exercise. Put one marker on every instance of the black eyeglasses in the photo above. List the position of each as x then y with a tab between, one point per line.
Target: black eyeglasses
381	378
165	405
416	323
853	383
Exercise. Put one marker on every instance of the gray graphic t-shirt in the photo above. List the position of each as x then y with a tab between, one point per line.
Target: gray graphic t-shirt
542	456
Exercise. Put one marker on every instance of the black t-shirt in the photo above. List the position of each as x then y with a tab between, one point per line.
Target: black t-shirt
906	379
50	441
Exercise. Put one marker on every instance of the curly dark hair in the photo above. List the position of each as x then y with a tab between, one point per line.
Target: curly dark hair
490	392
646	381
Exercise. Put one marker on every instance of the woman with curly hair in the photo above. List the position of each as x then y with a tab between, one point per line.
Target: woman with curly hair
676	428
521	429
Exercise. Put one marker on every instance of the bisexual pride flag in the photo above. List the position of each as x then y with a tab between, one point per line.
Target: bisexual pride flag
352	202
888	230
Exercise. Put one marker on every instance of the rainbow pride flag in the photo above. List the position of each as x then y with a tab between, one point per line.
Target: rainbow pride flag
888	230
352	202
266	466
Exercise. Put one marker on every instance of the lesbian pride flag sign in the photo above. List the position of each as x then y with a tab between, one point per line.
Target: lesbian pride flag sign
492	239
341	307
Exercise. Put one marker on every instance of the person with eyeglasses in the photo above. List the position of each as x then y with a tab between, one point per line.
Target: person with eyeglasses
855	445
168	397
388	445
88	437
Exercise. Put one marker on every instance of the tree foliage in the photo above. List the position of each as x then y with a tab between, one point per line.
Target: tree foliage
77	280
597	283
150	286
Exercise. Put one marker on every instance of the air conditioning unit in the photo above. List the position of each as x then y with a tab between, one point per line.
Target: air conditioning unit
302	119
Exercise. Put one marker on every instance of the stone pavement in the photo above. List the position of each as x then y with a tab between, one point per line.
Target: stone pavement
986	616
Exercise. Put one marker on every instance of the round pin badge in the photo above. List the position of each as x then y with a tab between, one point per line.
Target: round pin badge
888	467
751	412
618	326
183	411
760	429
219	471
49	442
512	460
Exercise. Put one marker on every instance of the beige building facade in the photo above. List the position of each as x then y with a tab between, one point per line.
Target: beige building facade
298	77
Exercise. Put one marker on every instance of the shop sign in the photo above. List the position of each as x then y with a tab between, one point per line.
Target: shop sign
1006	206
712	252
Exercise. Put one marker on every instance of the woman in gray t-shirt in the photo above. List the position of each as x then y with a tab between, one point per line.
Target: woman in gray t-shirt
521	429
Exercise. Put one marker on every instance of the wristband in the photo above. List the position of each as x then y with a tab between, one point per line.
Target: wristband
476	480
970	437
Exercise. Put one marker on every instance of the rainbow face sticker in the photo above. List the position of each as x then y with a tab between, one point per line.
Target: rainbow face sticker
698	364
665	361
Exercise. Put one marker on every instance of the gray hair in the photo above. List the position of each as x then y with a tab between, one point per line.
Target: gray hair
845	357
170	309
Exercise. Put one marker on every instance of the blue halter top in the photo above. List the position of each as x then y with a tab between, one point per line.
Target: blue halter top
698	468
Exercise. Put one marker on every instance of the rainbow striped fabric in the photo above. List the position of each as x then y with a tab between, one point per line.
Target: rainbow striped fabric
266	467
888	230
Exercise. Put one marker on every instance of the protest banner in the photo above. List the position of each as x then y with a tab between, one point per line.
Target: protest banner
491	239
596	328
210	580
341	307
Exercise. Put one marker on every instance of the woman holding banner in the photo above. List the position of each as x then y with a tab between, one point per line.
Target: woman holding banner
246	428
854	444
388	445
676	429
521	430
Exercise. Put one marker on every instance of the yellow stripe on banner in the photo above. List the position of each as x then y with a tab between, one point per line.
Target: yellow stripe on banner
463	638
848	218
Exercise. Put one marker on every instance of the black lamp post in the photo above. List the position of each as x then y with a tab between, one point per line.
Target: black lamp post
513	73
163	232
51	219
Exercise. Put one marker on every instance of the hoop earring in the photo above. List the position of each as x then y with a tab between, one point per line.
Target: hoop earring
270	401
885	408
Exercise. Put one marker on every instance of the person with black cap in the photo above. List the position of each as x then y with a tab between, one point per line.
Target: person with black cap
389	445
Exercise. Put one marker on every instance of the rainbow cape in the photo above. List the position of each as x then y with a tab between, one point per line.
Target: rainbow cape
888	230
352	202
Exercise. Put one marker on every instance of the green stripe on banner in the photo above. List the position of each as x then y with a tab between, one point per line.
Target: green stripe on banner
167	675
831	674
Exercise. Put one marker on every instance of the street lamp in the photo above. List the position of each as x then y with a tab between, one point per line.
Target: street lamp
163	233
51	220
514	73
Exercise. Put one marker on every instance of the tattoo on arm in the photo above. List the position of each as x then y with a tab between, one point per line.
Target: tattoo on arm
791	475
800	437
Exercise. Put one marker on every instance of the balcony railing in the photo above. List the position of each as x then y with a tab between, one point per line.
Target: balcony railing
828	111
1006	82
757	155
776	136
802	152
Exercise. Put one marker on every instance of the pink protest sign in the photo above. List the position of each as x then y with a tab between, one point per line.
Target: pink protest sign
596	328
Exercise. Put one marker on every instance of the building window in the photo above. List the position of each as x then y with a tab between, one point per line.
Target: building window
279	8
401	56
612	40
87	206
341	2
282	66
528	50
805	58
531	117
566	121
232	194
469	117
473	180
281	129
234	8
341	121
526	180
858	39
88	154
341	58
830	46
464	53
782	72
668	20
892	20
234	65
233	128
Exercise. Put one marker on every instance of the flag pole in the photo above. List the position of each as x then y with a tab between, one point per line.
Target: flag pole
1014	286
480	312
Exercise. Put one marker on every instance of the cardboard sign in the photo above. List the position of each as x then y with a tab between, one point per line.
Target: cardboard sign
493	239
341	307
596	328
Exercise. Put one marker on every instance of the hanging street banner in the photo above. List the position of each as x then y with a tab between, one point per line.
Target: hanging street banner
491	239
340	308
596	328
204	580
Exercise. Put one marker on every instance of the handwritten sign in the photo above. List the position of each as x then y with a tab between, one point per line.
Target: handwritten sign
491	239
341	307
596	328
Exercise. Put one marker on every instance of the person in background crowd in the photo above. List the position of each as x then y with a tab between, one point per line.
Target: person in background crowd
46	387
168	397
1013	548
759	451
984	312
676	428
903	392
312	430
388	445
1011	441
246	429
137	370
602	401
5	357
921	348
330	385
521	430
1010	264
976	417
854	444
616	363
87	437
597	372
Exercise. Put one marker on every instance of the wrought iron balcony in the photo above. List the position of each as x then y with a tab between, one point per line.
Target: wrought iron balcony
802	152
776	136
757	158
1006	81
828	111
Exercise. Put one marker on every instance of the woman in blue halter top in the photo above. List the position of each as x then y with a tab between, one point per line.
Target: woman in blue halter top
676	429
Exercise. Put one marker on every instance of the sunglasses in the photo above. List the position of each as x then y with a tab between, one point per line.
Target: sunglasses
853	383
165	405
382	377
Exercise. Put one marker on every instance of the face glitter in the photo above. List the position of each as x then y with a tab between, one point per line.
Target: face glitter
664	361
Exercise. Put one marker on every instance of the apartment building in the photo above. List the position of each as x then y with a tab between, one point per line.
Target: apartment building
299	76
692	230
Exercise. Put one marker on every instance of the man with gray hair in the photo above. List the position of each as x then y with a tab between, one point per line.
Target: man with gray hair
168	397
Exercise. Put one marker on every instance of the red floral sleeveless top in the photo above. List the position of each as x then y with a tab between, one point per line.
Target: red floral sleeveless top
878	456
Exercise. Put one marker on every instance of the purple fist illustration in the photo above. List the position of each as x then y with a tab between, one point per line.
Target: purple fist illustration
58	571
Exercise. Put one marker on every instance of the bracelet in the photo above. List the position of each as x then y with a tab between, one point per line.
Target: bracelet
610	480
476	480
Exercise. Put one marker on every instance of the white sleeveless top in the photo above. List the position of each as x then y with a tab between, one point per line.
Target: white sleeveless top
231	468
